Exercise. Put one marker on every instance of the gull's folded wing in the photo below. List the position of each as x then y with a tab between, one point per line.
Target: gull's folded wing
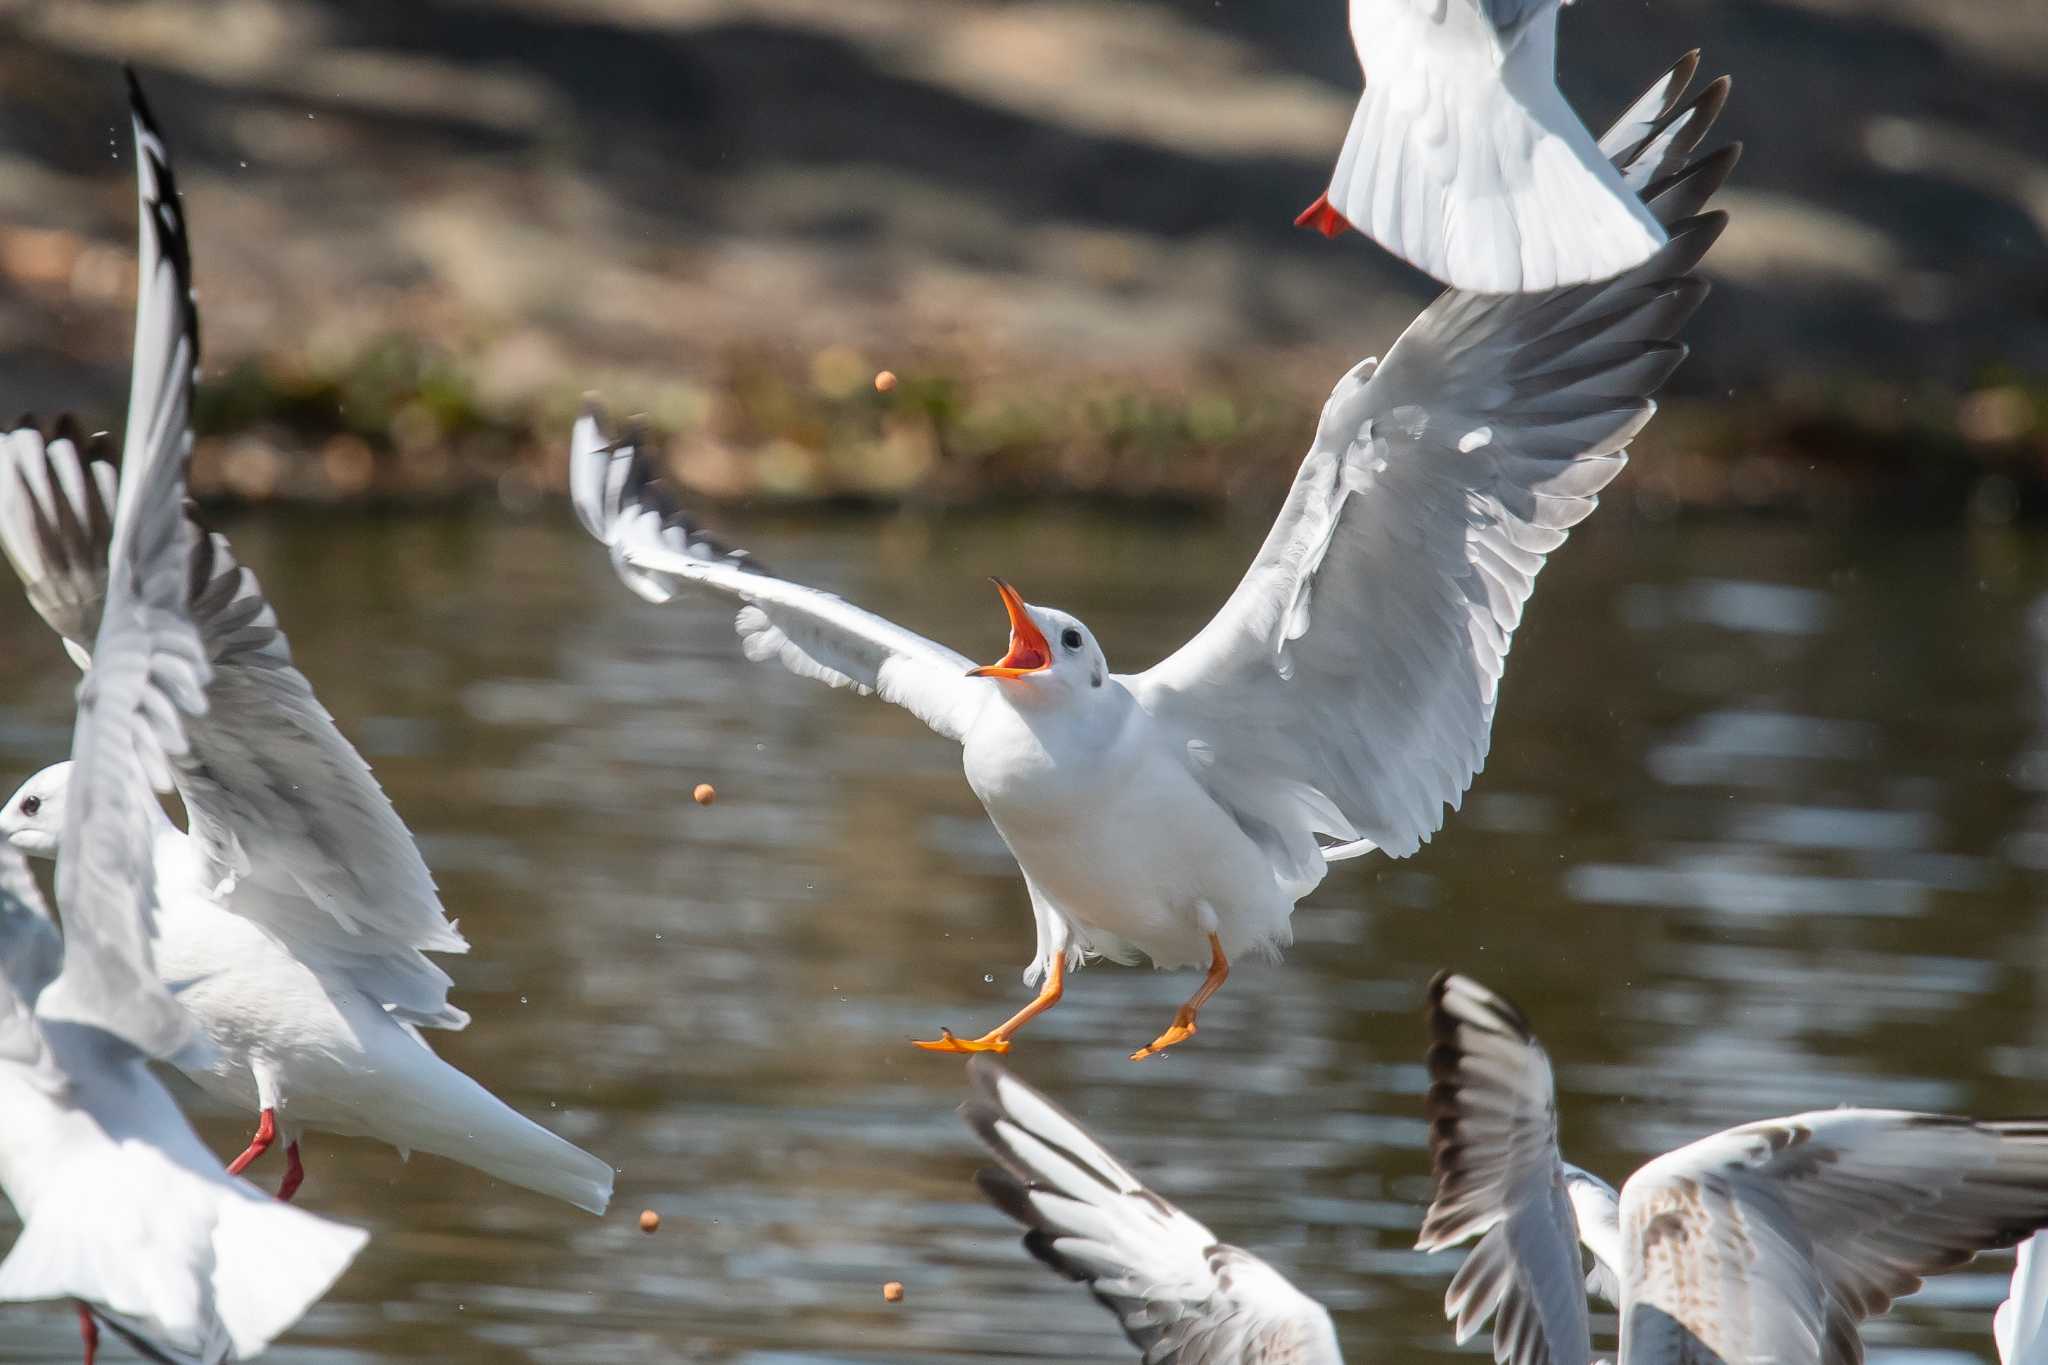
1493	1143
656	548
1762	1241
1348	686
1183	1298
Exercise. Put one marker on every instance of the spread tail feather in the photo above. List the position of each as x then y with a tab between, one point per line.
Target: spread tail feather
1486	179
202	1265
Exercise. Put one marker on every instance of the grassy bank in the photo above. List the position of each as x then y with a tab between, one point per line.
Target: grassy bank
399	422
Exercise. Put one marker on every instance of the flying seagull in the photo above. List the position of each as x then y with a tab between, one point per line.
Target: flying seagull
1343	696
122	1207
1183	1297
1767	1242
1465	161
295	912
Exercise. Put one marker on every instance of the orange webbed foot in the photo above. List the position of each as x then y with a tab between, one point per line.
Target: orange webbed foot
1179	1033
948	1041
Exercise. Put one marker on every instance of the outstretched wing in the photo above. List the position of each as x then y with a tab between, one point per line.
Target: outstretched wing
1493	1144
1183	1298
657	548
149	668
280	803
1761	1241
1348	686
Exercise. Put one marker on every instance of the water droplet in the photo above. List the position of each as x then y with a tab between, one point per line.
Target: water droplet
522	999
988	978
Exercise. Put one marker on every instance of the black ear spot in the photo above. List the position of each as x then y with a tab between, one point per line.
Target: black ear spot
1095	678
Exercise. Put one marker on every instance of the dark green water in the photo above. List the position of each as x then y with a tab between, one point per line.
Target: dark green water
1763	830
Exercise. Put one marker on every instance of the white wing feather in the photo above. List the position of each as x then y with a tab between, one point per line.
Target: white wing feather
290	819
1183	1298
1348	686
150	669
1465	161
2018	1326
656	548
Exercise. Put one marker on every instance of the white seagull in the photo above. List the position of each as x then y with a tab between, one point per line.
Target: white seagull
1767	1242
1465	161
1344	695
122	1207
295	910
1183	1297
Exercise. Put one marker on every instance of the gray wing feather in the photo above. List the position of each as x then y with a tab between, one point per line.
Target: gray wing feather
1347	688
149	669
1182	1297
1755	1240
1493	1145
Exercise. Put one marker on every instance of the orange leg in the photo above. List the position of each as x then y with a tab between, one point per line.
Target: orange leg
1184	1018
89	1333
998	1039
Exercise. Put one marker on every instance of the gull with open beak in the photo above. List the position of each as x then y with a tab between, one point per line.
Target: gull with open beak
1343	696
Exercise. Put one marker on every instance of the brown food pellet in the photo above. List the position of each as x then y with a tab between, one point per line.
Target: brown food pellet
705	794
885	381
649	1220
892	1292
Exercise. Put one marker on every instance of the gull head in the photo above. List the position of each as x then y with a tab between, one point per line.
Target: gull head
34	818
1049	650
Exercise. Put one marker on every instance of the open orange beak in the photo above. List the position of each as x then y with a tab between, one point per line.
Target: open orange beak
1029	653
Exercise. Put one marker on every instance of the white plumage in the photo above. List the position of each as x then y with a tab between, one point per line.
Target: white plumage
1343	697
1465	161
296	911
1767	1242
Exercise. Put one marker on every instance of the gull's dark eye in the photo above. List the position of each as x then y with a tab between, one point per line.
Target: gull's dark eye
31	804
1071	638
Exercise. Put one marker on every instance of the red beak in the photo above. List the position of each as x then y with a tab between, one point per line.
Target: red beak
1029	653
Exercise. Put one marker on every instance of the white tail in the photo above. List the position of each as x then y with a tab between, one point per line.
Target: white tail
451	1115
1482	175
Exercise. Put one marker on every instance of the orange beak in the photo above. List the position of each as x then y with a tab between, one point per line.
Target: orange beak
1029	653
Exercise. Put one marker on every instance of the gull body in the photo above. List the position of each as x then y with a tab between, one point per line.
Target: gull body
1465	161
1124	851
1771	1241
296	912
1342	699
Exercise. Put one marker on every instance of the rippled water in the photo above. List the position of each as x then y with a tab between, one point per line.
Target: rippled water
1763	830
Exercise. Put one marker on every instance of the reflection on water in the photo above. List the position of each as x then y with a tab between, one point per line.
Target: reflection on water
1762	831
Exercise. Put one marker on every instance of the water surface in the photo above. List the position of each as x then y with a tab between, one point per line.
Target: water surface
1763	830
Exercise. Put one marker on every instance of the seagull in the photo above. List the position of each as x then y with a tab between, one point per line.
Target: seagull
122	1207
1767	1242
1465	161
1343	696
1183	1297
295	911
